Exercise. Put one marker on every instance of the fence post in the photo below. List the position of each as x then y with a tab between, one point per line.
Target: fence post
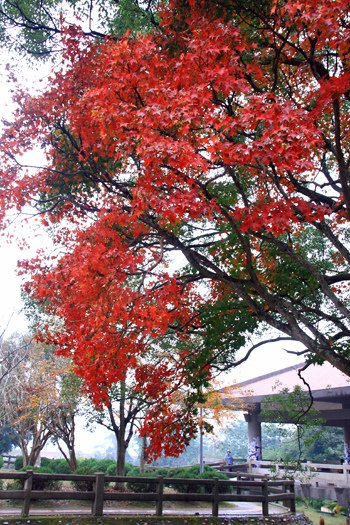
27	493
239	490
159	505
277	472
250	467
265	496
215	495
292	497
98	488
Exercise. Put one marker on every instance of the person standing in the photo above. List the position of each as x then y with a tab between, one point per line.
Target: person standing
229	460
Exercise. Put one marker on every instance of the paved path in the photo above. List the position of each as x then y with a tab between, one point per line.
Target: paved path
239	509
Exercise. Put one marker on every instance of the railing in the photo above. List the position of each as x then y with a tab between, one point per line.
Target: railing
261	491
231	470
314	473
9	461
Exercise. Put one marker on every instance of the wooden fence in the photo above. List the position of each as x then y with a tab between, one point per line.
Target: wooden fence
323	473
9	461
245	488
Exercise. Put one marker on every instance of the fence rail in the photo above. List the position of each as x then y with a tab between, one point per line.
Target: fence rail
338	475
243	489
9	461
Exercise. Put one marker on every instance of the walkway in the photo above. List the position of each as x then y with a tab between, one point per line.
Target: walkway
237	509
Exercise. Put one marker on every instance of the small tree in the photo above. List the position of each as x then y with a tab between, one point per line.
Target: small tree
296	408
122	415
8	439
30	397
61	419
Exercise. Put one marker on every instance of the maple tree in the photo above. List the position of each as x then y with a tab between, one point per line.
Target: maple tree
123	414
223	137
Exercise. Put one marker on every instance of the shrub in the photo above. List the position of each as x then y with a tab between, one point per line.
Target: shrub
57	466
111	469
87	485
14	485
134	486
104	465
18	463
96	465
181	472
39	484
193	473
91	466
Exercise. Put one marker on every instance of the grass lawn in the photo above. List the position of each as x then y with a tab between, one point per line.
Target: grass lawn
315	515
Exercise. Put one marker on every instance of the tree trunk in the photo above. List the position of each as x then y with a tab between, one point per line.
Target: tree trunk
143	454
121	449
121	452
69	456
33	457
73	463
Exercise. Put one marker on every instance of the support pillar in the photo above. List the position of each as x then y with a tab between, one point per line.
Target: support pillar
347	443
346	405
254	434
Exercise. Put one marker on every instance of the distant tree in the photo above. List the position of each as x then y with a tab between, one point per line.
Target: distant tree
235	438
274	437
296	408
61	420
319	444
8	439
31	396
13	352
281	441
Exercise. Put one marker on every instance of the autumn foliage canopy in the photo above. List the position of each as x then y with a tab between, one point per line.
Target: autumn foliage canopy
197	183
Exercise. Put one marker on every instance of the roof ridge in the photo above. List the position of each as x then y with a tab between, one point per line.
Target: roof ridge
270	374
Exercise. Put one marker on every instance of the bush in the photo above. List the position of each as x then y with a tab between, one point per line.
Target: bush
104	465
18	463
91	466
134	486
96	465
38	484
87	485
193	473
181	472
111	469
1	461
56	466
14	485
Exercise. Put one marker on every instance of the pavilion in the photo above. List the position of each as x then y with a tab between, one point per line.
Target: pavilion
330	391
